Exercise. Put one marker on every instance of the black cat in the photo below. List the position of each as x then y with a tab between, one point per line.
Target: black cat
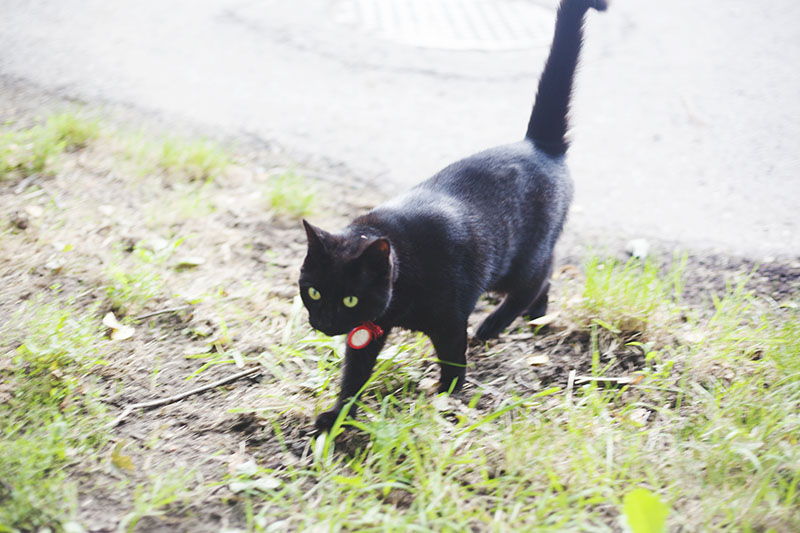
485	223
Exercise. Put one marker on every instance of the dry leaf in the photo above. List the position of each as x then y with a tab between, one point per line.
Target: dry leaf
235	460
543	320
190	261
567	271
55	264
429	385
119	332
446	403
110	321
123	462
538	359
267	482
247	468
263	484
639	416
125	332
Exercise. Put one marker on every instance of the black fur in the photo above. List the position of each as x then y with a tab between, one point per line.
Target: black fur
485	223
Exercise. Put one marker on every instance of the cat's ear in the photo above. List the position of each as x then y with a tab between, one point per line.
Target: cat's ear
377	254
316	237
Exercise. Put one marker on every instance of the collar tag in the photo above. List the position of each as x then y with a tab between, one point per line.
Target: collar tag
362	335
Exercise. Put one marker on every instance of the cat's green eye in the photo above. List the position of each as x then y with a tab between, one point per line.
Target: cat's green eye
314	293
350	301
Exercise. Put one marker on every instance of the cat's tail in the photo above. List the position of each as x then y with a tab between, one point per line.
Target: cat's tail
547	127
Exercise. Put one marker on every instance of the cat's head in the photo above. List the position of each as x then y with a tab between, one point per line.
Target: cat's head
346	279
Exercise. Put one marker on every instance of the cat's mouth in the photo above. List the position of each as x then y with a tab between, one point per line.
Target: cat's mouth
330	330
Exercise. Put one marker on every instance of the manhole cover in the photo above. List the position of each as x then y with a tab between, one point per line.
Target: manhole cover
452	24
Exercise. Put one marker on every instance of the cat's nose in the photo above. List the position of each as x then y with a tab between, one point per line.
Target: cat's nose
321	325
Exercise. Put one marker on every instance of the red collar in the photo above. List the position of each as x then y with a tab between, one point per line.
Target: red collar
362	335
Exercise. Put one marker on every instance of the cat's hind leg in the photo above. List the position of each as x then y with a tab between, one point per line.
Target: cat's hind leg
538	307
529	300
513	305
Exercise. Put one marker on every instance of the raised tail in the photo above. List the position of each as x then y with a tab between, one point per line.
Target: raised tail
547	127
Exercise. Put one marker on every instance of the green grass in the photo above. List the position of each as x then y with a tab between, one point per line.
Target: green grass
290	194
34	150
160	493
51	414
714	450
630	298
192	160
710	436
135	278
73	130
187	201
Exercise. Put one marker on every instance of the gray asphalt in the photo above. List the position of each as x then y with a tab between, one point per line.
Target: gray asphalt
686	121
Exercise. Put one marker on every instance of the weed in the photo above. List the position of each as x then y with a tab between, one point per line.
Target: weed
198	160
630	298
194	160
73	130
726	448
136	278
154	498
50	410
288	193
709	429
33	150
186	200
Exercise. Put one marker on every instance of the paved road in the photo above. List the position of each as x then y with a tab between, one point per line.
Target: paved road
686	116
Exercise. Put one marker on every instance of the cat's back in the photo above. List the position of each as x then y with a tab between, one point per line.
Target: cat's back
509	184
497	188
516	171
498	196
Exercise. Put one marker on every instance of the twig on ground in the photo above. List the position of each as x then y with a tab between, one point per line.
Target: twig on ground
20	188
622	380
161	312
178	397
570	383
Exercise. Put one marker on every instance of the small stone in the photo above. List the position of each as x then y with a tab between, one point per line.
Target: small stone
638	248
55	264
34	210
155	244
19	220
639	416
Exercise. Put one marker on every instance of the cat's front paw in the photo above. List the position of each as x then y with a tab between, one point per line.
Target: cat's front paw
451	383
326	420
